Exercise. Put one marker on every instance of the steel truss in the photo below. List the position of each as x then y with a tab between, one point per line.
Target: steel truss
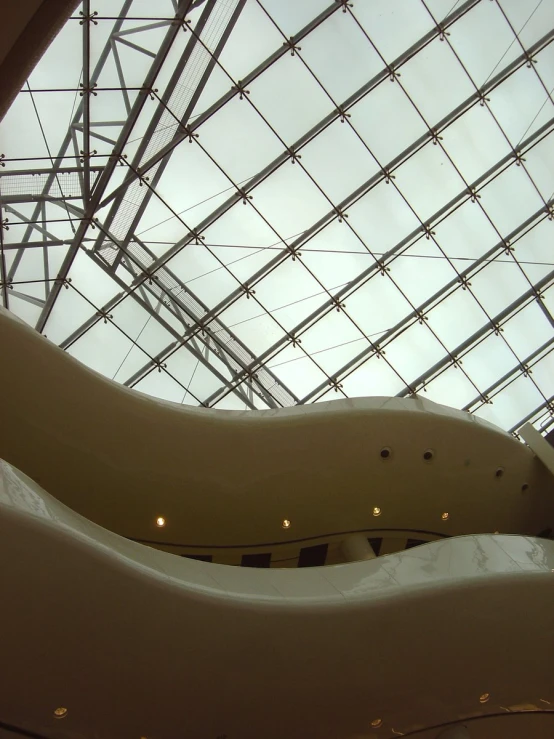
79	173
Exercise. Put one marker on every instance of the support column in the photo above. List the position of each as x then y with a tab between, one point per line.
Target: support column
356	548
539	445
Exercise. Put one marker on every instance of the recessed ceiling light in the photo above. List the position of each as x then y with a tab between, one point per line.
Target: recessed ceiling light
484	698
385	452
376	511
286	524
60	712
377	723
428	455
160	521
444	516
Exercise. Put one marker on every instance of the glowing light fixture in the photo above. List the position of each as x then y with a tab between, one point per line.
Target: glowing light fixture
60	712
444	516
376	511
160	521
484	698
377	723
286	524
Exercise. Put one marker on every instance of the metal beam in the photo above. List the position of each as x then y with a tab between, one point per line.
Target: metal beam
332	215
405	243
435	299
148	140
518	369
106	175
182	135
297	146
69	137
527	297
187	309
539	445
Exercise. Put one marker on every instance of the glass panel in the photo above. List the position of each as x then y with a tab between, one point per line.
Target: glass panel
510	199
300	376
512	404
465	235
291	16
422	271
499	285
214	286
131	317
92	281
381	218
325	158
436	82
451	388
153	338
301	101
202	384
217	86
543	372
539	162
374	378
414	351
475	143
428	180
253	39
19	129
340	56
336	256
249	321
208	280
484	42
231	402
288	289
247	146
527	330
22	309
192	184
387	121
31	264
534	251
488	361
103	348
290	201
457	318
161	385
334	330
69	312
243	241
529	20
516	102
393	27
377	306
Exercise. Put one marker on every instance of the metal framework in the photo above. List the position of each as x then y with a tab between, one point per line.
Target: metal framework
110	178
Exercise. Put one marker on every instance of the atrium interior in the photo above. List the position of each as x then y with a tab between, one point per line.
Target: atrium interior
276	358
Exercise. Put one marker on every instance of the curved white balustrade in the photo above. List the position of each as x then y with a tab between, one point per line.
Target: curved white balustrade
137	642
226	478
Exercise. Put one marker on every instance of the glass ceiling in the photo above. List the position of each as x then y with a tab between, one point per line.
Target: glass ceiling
250	204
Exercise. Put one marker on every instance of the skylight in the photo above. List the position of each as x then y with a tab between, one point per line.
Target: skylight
250	204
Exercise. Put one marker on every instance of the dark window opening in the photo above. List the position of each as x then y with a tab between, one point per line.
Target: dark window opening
313	556
256	560
375	544
414	543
